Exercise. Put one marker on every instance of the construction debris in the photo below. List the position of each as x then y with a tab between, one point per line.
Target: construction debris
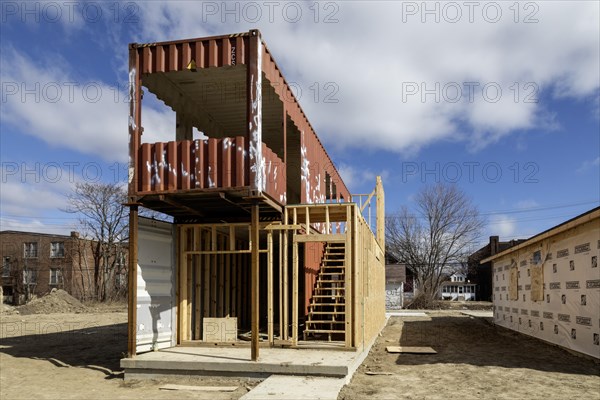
411	350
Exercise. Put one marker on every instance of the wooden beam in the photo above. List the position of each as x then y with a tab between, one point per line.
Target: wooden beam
254	296
197	284
318	237
174	203
280	281
183	287
348	291
270	286
380	217
285	294
213	274
282	227
190	290
206	276
221	278
227	305
132	279
364	205
295	263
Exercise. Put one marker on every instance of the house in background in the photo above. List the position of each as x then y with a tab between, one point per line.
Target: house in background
35	263
458	288
482	273
399	280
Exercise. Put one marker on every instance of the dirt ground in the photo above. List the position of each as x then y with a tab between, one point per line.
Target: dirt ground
76	356
475	360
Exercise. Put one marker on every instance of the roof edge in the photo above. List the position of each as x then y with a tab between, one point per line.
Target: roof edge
562	227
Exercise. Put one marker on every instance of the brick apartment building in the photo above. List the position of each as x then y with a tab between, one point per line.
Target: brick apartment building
35	263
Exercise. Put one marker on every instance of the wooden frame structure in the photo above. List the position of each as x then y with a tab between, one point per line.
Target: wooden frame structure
214	263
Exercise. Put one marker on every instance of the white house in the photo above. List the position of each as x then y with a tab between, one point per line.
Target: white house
458	288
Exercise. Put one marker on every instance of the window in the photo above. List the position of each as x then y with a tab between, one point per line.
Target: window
55	276
537	257
30	250
57	249
5	267
30	276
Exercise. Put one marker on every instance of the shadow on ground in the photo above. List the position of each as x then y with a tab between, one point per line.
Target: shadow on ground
476	342
99	348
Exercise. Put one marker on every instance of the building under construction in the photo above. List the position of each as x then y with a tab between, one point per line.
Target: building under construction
267	247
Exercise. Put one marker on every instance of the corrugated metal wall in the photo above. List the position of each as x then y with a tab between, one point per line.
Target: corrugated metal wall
200	164
206	52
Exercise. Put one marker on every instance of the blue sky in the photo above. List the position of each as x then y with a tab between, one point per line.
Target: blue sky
502	98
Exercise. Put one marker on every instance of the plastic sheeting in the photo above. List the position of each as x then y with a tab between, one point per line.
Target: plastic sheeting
551	289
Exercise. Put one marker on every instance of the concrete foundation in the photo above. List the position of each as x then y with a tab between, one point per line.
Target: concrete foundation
219	361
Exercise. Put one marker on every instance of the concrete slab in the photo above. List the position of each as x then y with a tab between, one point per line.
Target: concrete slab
296	387
227	361
479	313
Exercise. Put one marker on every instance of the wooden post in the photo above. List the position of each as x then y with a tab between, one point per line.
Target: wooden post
206	276
255	279
183	287
198	283
132	278
228	272
349	271
286	303
280	279
380	217
270	286
221	274
295	262
213	274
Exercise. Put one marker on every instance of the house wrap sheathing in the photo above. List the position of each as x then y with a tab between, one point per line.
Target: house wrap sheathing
548	287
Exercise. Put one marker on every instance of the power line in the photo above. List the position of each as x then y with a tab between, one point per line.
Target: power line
515	210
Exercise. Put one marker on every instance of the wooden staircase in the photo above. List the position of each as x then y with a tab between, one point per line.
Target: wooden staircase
326	311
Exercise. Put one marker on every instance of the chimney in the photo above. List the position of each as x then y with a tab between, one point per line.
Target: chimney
494	244
75	234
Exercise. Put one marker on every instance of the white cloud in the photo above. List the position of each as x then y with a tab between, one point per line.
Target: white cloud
51	104
355	178
503	225
373	57
588	164
527	203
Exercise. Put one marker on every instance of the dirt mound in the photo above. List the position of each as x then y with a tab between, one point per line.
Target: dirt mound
57	301
7	309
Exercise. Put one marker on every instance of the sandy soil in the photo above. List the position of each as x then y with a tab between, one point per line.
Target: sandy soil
475	360
76	356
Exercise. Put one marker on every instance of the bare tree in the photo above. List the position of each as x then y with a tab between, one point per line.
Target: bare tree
103	219
434	239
